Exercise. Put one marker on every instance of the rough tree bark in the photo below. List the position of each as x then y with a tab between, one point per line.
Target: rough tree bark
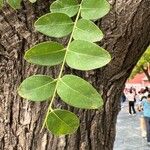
127	35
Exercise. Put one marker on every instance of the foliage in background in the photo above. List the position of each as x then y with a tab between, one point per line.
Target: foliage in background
143	65
81	53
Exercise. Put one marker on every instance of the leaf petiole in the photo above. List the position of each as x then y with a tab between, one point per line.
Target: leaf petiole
62	68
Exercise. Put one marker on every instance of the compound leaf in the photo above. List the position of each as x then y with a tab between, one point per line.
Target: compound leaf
94	9
37	88
78	93
69	7
91	56
54	24
46	53
62	122
88	31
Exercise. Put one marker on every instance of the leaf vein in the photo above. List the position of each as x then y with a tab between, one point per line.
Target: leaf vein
62	120
75	90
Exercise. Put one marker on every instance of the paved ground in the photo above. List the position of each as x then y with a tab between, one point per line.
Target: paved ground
128	132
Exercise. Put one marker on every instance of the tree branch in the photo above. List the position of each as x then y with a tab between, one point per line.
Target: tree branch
146	72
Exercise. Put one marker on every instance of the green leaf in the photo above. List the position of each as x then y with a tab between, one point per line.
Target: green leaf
1	3
144	62
54	24
87	30
69	7
62	122
94	9
46	53
32	1
37	88
78	93
14	3
83	55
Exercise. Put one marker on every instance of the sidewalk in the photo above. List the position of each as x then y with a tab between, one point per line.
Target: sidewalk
128	132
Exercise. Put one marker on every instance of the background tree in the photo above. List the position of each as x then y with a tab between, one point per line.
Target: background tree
143	65
127	35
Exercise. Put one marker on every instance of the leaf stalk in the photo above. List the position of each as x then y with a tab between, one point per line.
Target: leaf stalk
62	68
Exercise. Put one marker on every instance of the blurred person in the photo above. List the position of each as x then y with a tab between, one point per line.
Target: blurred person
141	117
131	98
122	99
146	111
146	91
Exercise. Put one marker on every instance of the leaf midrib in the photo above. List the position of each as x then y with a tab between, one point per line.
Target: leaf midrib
85	31
29	91
92	8
55	24
84	54
66	7
61	120
76	91
54	52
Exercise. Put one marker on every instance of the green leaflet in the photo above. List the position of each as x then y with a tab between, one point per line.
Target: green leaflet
1	3
37	88
88	31
54	24
94	9
78	93
46	53
69	7
62	122
32	1
91	56
14	3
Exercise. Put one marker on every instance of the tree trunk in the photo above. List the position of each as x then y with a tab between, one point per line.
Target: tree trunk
127	35
146	71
